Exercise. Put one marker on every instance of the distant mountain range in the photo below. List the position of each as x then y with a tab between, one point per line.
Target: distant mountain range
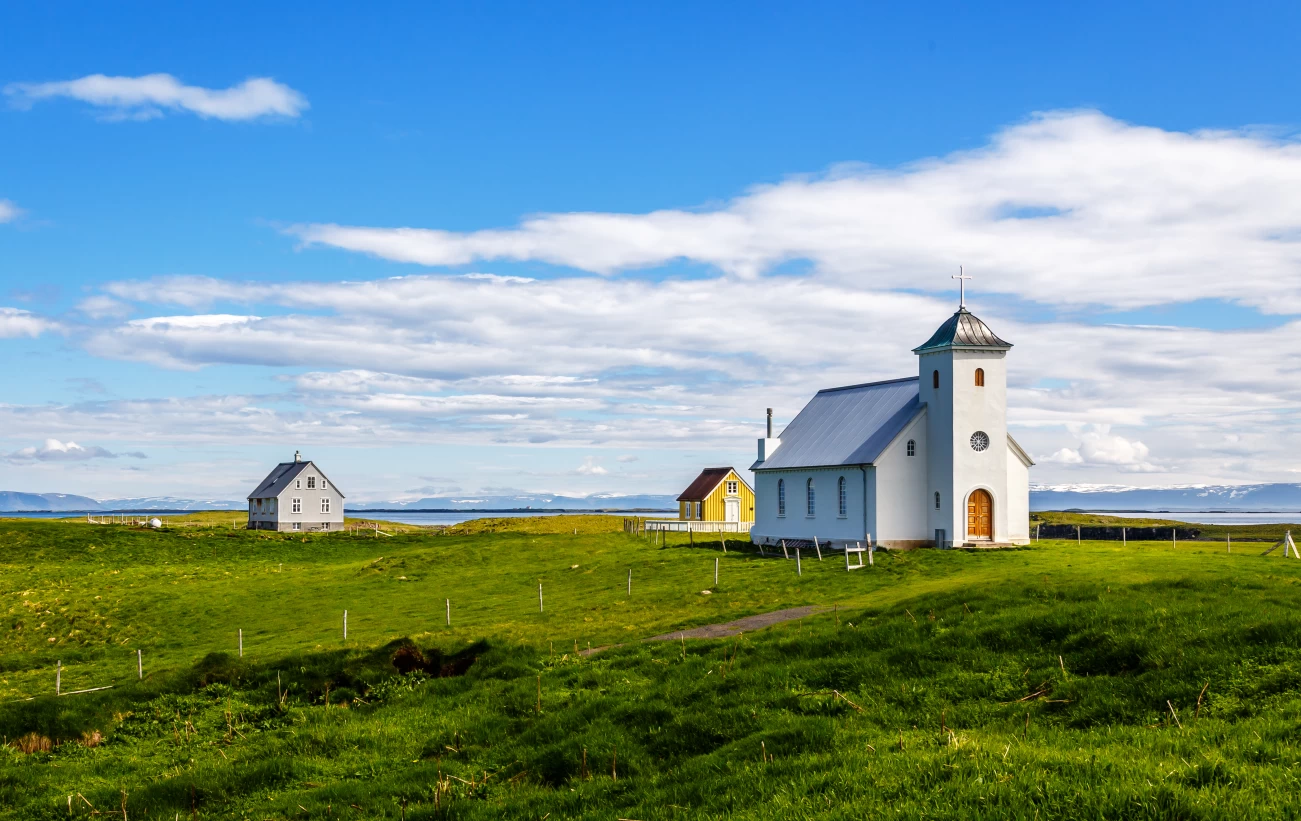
534	501
17	502
1281	497
1275	497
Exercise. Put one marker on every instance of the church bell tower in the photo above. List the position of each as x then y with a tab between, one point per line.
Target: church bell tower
963	384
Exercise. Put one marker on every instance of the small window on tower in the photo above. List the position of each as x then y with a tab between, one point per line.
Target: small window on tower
935	380
912	447
980	377
937	500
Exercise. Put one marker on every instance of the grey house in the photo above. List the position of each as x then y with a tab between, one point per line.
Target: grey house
295	496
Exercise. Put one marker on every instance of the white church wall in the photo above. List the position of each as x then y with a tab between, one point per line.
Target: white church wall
901	493
1018	499
826	523
939	443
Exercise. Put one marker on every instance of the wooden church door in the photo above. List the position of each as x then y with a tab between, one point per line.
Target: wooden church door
980	518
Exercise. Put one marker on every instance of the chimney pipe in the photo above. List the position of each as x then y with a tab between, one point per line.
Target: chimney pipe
770	423
297	457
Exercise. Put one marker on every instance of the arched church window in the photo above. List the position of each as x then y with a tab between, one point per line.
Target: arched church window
935	380
912	447
781	497
844	496
980	377
937	500
808	493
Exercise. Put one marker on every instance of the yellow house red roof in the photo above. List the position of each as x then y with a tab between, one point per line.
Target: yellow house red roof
704	484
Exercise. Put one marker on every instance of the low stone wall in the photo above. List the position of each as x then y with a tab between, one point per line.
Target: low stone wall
1113	533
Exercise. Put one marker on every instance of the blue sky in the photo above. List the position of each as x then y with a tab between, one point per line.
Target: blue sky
716	211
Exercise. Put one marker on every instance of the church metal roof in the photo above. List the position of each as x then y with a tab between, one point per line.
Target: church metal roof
846	426
963	330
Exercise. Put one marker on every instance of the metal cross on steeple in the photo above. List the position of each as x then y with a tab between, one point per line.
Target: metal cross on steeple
962	287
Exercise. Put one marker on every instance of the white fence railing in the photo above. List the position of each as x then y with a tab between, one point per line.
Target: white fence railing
690	526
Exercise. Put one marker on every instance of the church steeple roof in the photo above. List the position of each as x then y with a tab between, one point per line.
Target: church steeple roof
963	330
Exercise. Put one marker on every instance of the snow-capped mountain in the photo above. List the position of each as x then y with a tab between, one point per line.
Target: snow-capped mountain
522	501
1274	497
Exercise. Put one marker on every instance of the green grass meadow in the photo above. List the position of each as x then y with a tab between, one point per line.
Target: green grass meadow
1054	681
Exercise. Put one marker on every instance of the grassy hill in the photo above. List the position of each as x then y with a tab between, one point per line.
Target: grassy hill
1055	681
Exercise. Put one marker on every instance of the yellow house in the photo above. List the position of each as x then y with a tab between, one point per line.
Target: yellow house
717	495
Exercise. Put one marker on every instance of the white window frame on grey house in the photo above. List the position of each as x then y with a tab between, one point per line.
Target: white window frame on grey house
295	505
311	483
298	484
297	525
325	504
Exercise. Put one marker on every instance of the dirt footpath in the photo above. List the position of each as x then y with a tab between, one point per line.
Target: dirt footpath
722	631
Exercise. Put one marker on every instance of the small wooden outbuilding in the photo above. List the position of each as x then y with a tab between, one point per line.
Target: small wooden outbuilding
717	495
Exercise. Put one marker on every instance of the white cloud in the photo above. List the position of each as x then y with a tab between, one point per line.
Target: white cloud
1065	456
1100	447
102	307
1068	208
55	451
15	322
628	458
584	362
590	468
145	97
8	211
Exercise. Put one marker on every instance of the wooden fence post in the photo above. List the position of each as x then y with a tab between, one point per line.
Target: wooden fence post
785	552
1228	543
1077	535
58	677
817	547
241	642
140	664
715	571
539	597
630	582
1123	541
449	612
345	625
798	570
871	551
1174	536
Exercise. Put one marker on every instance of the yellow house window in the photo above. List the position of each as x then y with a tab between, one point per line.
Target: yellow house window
697	510
731	488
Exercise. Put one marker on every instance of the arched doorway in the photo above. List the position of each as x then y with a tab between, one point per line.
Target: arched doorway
980	515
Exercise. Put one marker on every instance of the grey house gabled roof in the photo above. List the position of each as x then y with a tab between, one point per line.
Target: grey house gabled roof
846	426
280	477
963	330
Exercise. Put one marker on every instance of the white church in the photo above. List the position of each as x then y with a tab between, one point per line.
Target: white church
921	461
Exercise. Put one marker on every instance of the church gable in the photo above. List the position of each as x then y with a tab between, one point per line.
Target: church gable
846	426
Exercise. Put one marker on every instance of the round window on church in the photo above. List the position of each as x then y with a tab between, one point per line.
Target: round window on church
979	441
